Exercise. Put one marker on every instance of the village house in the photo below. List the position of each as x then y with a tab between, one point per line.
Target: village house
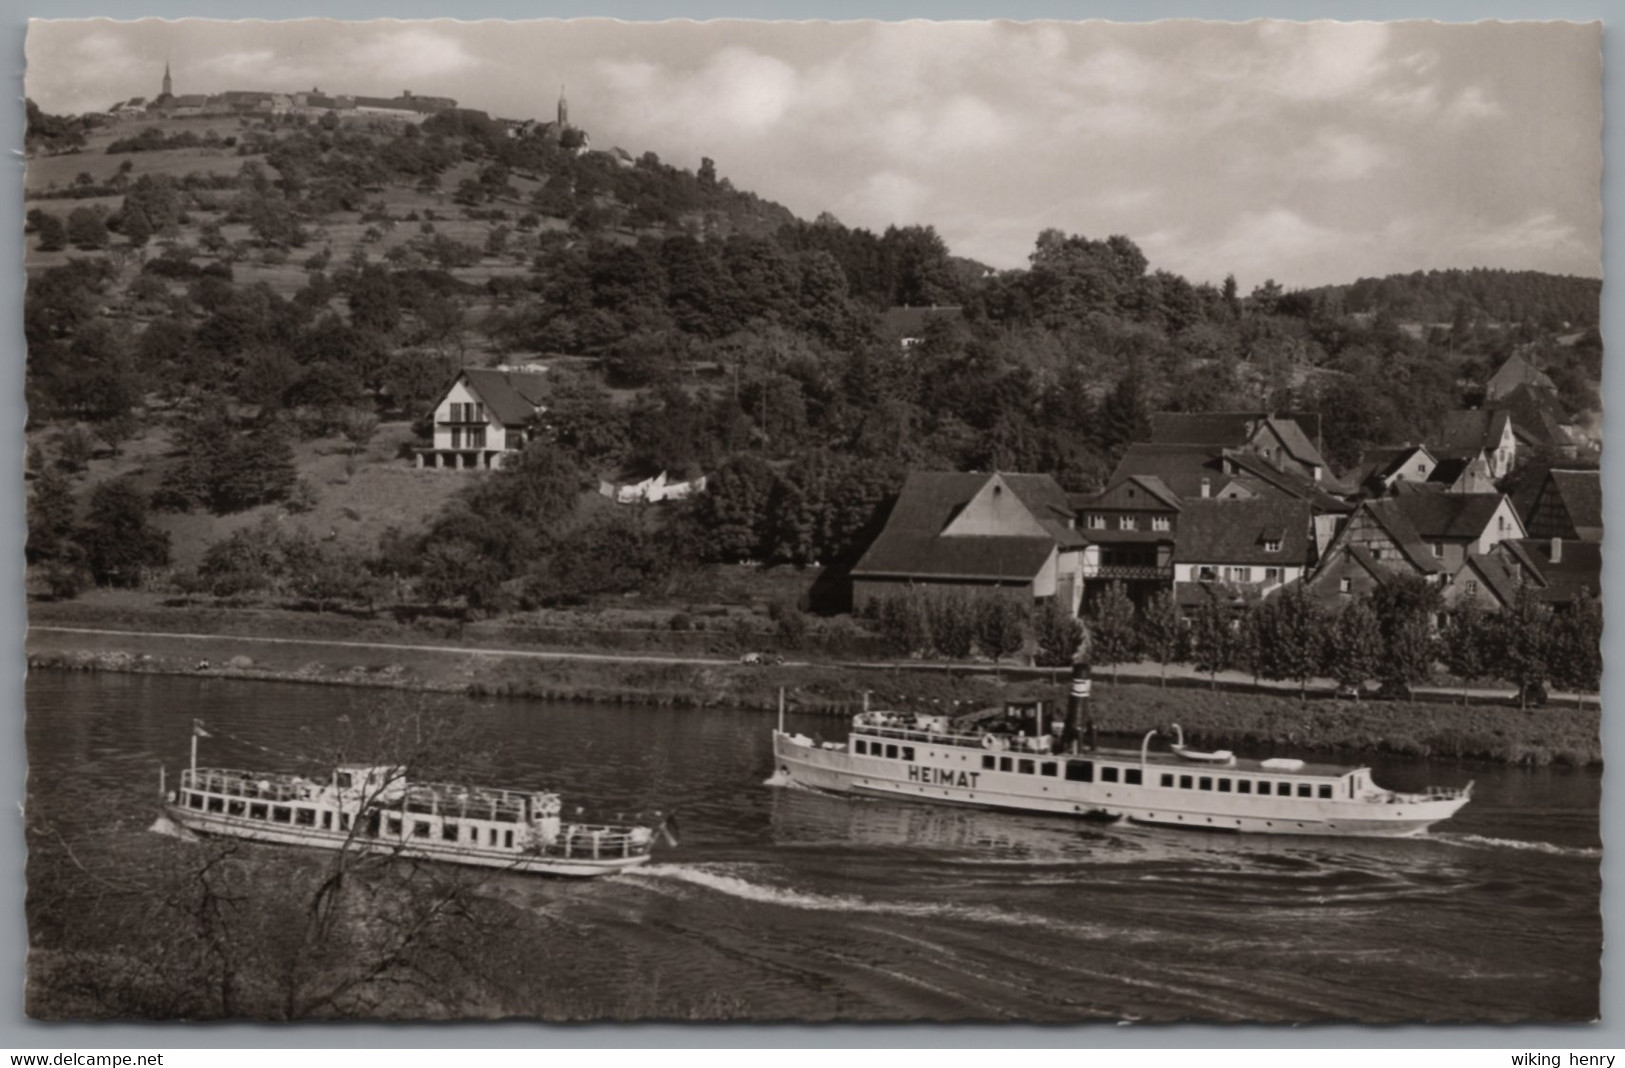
1491	580
1288	441
486	414
1567	505
1248	547
1540	423
1563	571
976	533
1465	435
1514	372
1131	526
1381	467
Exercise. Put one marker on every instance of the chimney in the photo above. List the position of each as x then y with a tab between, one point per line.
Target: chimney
1079	722
1207	486
1557	550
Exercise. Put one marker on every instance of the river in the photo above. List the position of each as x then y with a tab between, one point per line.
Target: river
782	904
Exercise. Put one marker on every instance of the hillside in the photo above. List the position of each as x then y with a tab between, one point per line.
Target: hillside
239	327
1499	296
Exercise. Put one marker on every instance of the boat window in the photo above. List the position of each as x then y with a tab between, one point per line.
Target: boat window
474	835
217	804
327	821
1080	770
1244	786
1205	783
1047	768
344	780
1131	776
304	817
891	752
281	814
861	746
1108	774
450	831
1026	767
420	828
344	821
1006	764
493	836
395	826
989	763
509	839
1167	779
1224	786
195	800
1184	782
256	812
1326	790
1303	790
908	752
234	808
1283	789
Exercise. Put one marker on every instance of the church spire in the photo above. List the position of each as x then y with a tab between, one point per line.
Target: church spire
564	109
167	85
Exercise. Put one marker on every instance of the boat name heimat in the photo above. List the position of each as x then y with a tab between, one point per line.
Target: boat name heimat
941	776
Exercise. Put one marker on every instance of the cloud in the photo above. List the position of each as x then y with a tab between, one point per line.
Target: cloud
889	196
413	53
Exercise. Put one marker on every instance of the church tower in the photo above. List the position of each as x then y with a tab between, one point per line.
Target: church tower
167	85
564	110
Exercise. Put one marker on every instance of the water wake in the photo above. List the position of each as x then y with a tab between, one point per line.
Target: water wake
1477	841
744	889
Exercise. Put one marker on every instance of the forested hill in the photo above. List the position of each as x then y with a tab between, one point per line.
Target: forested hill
1479	293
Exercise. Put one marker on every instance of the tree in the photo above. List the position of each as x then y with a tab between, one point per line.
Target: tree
53	236
120	545
1354	646
1112	630
901	621
1212	641
1160	630
1405	607
1525	644
1001	626
87	229
1057	632
952	618
1292	631
1576	654
733	512
50	518
1466	644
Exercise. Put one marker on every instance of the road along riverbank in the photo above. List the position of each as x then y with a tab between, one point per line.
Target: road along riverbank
1250	721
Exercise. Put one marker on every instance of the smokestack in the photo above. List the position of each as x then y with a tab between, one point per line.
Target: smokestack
1557	550
1207	486
1077	709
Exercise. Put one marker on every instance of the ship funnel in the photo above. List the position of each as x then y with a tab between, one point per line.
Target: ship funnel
1077	709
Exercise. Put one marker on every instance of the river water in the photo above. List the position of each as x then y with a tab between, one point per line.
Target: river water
783	904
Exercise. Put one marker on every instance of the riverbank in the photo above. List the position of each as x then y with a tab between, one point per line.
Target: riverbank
1254	722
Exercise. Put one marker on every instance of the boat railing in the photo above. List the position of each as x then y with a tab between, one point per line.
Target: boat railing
584	841
231	782
905	734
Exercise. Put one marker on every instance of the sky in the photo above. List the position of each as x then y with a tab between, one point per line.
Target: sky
1310	153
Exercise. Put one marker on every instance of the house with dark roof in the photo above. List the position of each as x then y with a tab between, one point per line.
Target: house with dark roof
1514	372
1288	441
1461	474
906	324
1463	435
1563	571
1131	526
998	533
1490	579
1427	534
1539	421
1568	505
1347	573
1251	545
486	414
1382	467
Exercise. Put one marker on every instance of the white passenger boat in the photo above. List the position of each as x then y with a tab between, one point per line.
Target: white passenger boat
376	810
1025	762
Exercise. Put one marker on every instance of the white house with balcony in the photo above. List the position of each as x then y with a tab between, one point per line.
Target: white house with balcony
486	414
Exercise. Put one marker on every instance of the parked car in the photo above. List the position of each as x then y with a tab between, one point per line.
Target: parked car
761	659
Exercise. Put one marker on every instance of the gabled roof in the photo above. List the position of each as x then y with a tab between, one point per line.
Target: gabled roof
1382	461
912	543
1578	573
1498	573
511	396
1130	493
1537	416
1318	494
1234	532
1402	532
1464	434
909	321
1448	515
1298	446
1514	372
1581	494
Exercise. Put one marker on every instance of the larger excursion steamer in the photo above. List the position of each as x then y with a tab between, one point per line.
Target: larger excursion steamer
376	810
1019	762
